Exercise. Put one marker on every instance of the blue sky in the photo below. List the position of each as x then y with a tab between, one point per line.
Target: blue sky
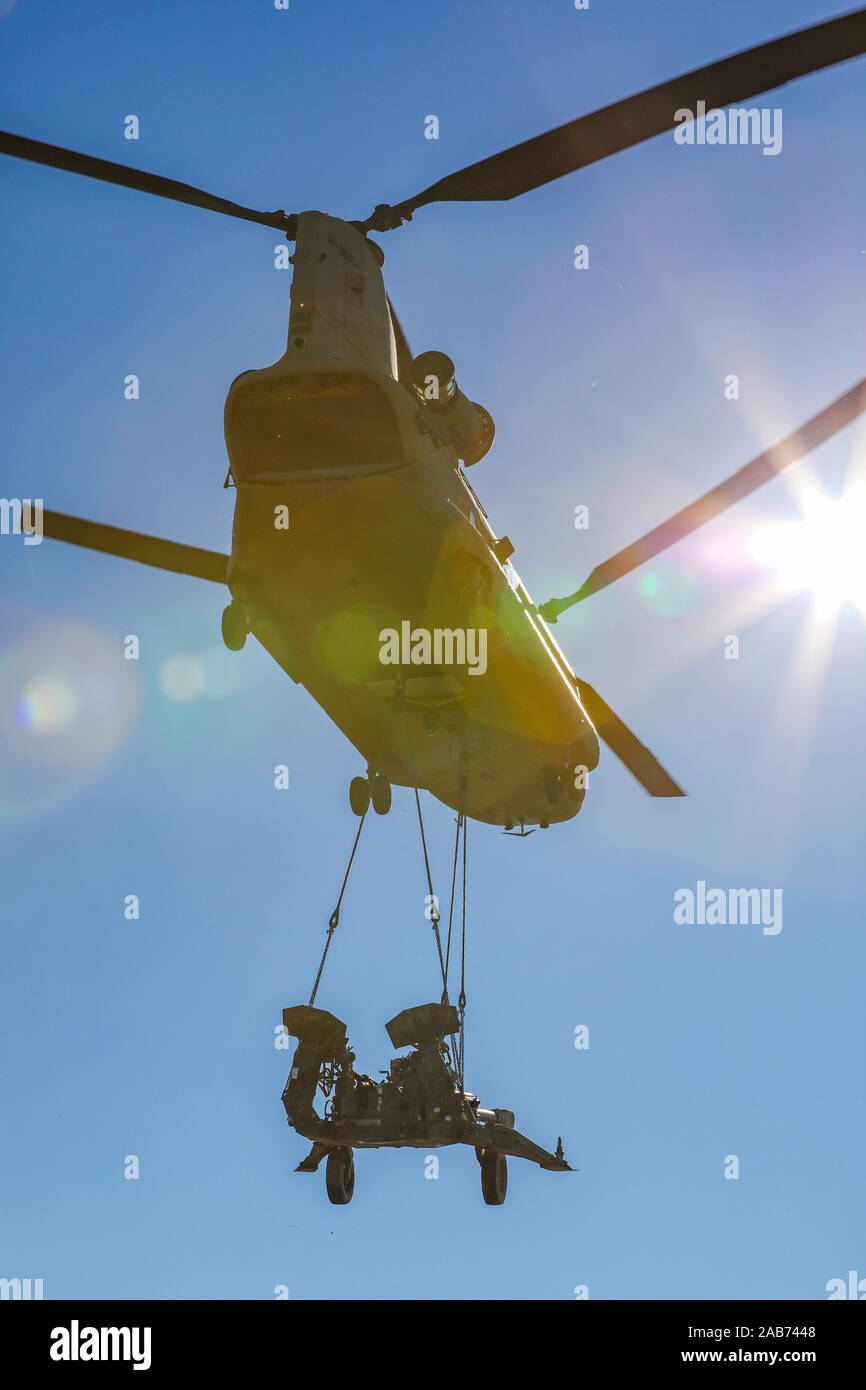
155	1037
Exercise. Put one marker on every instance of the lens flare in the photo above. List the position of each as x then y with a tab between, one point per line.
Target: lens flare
212	674
824	552
667	589
68	699
47	704
182	678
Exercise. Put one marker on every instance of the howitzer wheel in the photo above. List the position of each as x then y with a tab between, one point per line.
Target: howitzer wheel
340	1176
494	1178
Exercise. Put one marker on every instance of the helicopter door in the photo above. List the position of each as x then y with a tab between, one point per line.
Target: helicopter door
310	426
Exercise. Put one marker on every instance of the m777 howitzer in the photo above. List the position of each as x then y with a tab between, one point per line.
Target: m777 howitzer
420	1102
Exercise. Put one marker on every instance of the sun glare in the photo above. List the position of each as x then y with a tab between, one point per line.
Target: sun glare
825	552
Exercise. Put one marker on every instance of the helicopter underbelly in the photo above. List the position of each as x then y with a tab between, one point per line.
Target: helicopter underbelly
356	584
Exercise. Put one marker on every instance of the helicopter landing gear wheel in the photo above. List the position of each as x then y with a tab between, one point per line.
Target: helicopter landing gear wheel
576	776
340	1176
381	795
234	626
494	1178
359	795
552	784
574	794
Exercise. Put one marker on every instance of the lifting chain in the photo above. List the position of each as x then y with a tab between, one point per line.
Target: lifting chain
335	915
458	1043
434	909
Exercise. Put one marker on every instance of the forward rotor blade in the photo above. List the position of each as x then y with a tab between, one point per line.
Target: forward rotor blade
131	545
761	469
625	123
38	153
620	740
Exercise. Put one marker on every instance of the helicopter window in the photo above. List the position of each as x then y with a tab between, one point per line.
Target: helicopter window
312	424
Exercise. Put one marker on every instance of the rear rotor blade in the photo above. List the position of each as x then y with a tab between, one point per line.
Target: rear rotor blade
761	469
625	123
131	545
627	747
57	158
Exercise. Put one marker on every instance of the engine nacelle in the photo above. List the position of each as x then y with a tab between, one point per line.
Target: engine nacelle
469	426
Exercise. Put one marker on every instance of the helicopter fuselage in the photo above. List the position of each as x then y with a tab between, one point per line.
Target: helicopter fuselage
366	565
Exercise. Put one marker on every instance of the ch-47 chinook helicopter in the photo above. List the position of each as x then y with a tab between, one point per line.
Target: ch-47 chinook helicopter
358	448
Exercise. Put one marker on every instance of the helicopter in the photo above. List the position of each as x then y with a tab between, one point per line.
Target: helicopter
362	559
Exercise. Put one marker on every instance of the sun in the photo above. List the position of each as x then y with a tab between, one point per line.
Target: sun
825	552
